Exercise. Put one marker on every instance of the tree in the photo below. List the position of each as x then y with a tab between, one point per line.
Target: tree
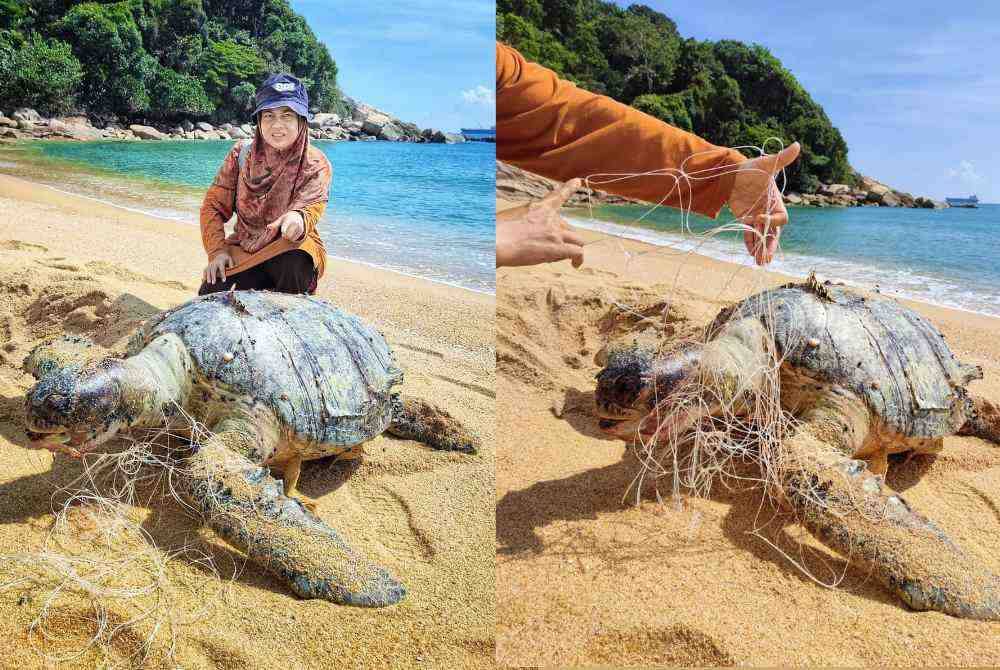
176	95
108	44
39	73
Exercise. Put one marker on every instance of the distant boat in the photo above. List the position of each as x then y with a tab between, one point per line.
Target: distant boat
971	201
480	134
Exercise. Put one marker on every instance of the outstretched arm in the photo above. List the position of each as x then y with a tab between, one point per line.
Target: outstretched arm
549	126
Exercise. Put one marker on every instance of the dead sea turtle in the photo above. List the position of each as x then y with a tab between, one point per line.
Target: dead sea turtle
866	377
278	379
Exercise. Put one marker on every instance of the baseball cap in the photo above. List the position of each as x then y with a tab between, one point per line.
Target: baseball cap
282	90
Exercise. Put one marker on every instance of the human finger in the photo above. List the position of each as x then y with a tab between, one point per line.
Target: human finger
786	156
559	196
574	254
571	237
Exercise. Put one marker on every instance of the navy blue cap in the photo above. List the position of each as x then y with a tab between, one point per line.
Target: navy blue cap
282	90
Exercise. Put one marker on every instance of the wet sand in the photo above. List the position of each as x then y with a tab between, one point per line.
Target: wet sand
72	265
585	578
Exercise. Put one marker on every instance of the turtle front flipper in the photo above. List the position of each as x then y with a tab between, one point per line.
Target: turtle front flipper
416	419
984	421
853	511
246	506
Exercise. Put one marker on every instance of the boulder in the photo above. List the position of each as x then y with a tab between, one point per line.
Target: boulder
238	134
146	132
187	126
453	138
324	120
7	122
77	120
248	129
226	127
834	189
361	111
890	200
74	131
10	132
200	134
206	127
25	125
352	126
27	114
374	123
793	198
390	133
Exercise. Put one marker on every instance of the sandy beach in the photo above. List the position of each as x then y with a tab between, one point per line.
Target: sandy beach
585	578
69	264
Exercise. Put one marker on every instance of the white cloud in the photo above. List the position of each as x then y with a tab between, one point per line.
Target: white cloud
480	95
966	173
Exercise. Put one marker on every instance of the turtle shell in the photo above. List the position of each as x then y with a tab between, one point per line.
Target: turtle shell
327	375
886	353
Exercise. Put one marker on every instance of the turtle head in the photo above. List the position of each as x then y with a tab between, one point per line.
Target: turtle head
635	380
74	408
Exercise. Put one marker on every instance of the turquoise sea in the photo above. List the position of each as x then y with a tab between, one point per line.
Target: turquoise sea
949	257
421	209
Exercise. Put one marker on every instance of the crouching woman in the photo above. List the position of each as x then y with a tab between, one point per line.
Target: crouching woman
278	186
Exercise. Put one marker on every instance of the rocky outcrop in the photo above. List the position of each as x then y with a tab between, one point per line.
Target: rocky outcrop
146	132
868	193
362	123
517	185
74	127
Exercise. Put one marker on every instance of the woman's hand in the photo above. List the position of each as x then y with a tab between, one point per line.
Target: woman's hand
291	224
535	233
756	201
217	268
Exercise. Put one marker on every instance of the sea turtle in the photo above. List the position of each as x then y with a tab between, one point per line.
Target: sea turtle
865	377
278	379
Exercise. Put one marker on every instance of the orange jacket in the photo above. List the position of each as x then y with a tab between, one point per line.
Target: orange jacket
549	126
217	209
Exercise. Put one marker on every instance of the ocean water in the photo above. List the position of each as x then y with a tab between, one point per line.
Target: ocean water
949	257
420	209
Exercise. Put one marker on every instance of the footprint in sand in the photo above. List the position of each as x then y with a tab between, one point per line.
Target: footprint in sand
393	512
58	264
17	245
674	646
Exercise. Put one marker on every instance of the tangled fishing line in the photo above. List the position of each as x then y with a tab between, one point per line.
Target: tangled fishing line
739	438
100	583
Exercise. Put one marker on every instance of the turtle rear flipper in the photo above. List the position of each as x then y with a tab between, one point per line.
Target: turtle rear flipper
851	510
246	506
416	419
60	352
984	422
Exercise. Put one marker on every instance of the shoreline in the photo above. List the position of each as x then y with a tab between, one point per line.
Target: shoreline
669	242
191	220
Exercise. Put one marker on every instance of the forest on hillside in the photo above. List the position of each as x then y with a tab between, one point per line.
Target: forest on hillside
728	92
163	60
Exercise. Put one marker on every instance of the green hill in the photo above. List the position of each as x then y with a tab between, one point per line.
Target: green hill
728	92
156	59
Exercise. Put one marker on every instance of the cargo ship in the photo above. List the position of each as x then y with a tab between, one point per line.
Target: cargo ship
971	201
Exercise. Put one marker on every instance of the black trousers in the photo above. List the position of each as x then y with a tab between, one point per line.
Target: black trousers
290	272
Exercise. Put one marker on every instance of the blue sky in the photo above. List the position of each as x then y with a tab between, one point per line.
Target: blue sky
913	86
430	62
